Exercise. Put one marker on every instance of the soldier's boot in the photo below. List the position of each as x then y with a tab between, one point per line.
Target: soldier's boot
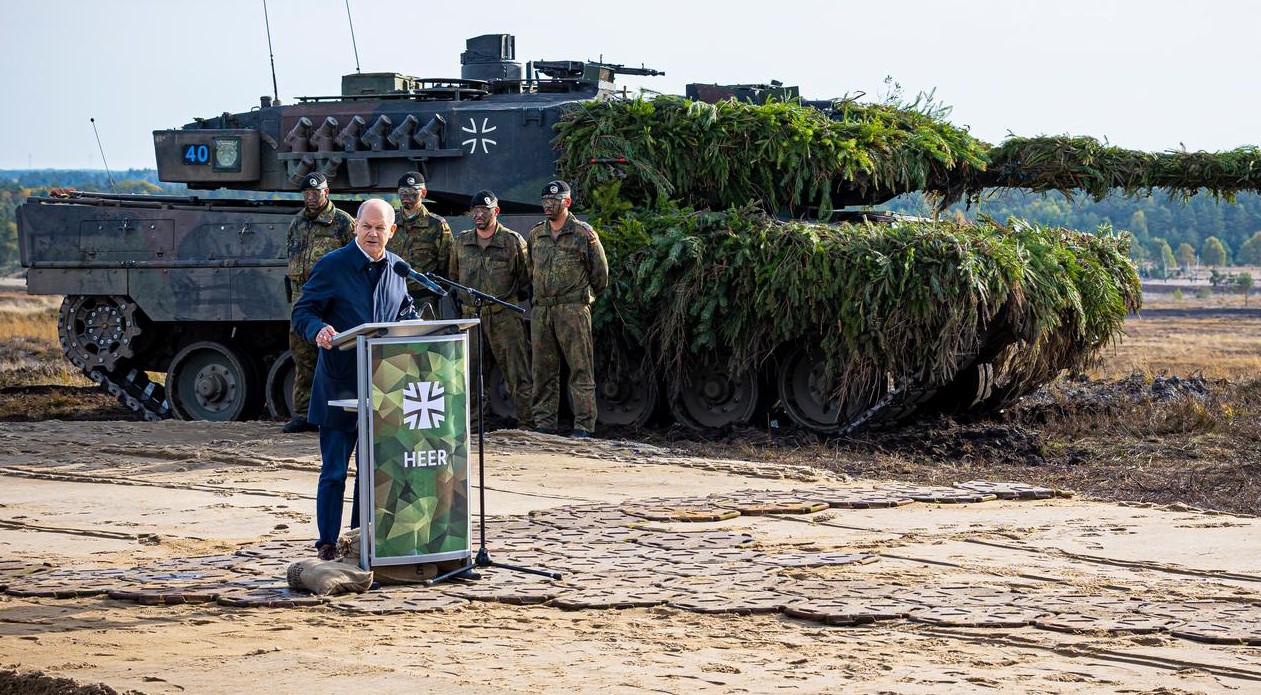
299	424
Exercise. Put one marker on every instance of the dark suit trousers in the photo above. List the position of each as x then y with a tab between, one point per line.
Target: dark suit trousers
336	446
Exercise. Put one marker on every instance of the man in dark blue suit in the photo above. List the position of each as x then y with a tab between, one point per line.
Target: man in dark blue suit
347	287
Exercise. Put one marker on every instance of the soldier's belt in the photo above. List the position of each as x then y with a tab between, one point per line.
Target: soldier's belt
470	312
581	297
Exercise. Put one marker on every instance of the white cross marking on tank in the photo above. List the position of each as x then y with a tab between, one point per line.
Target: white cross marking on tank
484	141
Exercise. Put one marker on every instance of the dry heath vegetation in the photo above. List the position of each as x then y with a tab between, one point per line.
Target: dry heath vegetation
36	381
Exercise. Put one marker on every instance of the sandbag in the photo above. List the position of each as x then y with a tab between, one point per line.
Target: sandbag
328	577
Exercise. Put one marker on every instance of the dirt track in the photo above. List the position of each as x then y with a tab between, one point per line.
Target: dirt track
1060	594
1201	313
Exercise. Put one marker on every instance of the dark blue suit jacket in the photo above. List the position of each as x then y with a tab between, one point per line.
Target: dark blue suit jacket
340	294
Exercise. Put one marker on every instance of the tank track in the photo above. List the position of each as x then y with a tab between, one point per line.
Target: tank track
903	401
896	405
133	388
907	399
97	335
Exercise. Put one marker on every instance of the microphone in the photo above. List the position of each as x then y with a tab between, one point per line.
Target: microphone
404	270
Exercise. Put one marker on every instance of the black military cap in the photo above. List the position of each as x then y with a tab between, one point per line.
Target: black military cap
314	180
412	179
484	198
556	189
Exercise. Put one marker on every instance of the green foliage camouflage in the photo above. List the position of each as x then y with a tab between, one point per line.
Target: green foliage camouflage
1067	163
699	270
915	299
779	154
785	156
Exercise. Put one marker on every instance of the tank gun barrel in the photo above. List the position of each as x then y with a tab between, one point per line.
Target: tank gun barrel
578	69
641	70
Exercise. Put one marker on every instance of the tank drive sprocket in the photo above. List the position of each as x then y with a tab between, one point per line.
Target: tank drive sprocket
96	332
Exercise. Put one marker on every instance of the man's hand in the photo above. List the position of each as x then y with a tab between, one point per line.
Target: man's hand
324	338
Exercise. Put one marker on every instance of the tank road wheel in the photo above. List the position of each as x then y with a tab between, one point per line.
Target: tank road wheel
97	331
806	394
625	390
498	396
708	396
280	387
211	381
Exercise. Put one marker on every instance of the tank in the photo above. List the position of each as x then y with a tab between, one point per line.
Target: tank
194	287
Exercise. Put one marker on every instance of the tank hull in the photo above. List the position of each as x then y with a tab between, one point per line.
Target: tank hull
195	290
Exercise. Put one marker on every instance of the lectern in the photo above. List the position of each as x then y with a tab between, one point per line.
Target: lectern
413	451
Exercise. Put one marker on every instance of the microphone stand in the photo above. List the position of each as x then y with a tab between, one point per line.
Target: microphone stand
480	300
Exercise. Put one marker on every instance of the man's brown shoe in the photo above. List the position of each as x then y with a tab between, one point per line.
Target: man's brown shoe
328	551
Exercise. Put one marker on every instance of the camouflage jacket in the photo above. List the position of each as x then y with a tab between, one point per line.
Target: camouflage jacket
570	268
501	269
424	241
310	238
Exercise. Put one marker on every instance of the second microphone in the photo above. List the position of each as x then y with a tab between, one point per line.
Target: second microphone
405	270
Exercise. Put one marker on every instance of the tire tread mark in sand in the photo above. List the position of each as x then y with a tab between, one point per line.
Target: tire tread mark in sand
1079	650
19	526
1116	562
177	454
105	480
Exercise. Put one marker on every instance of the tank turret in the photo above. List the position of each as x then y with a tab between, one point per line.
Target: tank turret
490	128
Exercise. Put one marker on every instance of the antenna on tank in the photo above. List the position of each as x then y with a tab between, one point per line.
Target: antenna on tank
353	45
271	55
102	149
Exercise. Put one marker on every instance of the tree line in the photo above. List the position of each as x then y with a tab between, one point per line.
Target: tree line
1170	236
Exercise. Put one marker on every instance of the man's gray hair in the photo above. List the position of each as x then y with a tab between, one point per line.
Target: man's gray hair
388	209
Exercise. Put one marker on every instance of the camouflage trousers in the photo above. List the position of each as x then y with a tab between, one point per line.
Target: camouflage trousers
562	335
304	357
506	342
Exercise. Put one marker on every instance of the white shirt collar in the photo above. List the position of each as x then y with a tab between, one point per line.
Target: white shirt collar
365	253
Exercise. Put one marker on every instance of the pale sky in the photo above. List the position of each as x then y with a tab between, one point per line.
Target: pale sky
1150	74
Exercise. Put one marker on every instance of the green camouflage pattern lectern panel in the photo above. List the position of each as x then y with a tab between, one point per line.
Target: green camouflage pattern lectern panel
419	438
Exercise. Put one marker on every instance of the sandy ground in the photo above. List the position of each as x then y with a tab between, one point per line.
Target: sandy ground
1055	595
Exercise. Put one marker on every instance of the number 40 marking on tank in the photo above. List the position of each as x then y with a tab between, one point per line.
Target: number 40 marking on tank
196	154
474	141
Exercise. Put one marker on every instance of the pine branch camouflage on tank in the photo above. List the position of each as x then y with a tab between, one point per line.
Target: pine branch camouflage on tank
791	156
914	298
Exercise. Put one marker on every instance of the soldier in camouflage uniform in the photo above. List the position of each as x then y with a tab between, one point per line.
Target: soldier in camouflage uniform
493	259
317	229
569	269
423	239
